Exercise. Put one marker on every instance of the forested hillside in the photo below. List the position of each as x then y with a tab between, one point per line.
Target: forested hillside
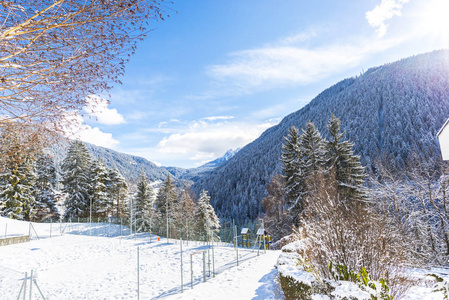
390	112
129	166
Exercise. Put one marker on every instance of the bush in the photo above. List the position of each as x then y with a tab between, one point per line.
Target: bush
293	289
378	290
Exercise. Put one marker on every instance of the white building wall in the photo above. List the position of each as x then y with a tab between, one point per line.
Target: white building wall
444	142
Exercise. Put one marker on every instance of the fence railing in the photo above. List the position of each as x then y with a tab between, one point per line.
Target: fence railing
207	259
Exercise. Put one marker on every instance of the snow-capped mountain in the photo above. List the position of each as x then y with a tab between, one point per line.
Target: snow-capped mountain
194	174
390	112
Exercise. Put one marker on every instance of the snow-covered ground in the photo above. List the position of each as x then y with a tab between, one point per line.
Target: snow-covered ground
80	262
73	265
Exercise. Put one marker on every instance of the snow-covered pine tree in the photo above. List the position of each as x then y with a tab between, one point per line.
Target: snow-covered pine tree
143	202
349	172
117	190
75	178
165	202
290	160
45	189
293	168
99	177
312	149
207	222
16	194
302	157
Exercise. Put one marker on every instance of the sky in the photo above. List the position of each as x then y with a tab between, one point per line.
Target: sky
216	74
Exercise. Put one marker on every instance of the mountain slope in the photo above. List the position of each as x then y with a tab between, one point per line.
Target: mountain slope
390	111
129	166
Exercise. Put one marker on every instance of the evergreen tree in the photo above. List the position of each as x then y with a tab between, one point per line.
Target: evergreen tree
16	194
302	157
349	173
75	178
165	202
143	202
99	178
207	222
117	191
312	149
45	189
290	158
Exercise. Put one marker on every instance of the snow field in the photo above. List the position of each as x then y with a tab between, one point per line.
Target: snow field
78	266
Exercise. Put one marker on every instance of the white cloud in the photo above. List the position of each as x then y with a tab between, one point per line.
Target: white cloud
211	119
97	137
98	108
301	59
386	10
281	66
206	141
300	37
75	129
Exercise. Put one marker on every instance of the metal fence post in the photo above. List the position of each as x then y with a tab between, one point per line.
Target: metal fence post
138	282
37	286
191	272
213	259
25	286
263	227
31	284
236	248
233	234
208	261
204	266
182	283
6	229
166	212
258	244
51	225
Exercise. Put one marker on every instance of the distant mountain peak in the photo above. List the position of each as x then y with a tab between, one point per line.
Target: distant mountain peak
219	161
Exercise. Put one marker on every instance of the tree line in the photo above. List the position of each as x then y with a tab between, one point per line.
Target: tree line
92	191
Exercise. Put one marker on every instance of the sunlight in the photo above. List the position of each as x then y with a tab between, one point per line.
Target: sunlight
435	20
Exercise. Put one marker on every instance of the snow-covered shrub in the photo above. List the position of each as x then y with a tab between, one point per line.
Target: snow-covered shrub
297	277
284	241
378	290
440	285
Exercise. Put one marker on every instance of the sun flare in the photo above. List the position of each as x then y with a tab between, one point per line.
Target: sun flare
435	19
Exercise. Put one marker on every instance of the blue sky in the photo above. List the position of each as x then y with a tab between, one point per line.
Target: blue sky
216	74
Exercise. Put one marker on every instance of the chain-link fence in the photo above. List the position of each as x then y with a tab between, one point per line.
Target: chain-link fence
99	260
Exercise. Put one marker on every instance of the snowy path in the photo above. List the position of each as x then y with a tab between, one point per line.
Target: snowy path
252	279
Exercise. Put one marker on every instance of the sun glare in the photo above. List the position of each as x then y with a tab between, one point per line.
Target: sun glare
435	19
